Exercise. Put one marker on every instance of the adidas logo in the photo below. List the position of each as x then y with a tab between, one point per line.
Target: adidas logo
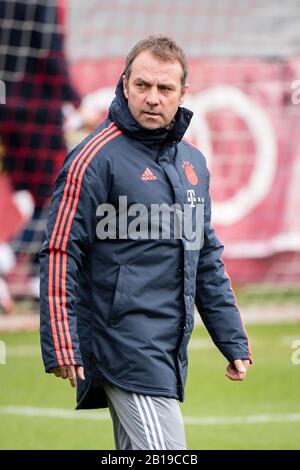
148	175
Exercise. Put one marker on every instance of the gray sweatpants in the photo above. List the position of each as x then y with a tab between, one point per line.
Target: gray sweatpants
143	422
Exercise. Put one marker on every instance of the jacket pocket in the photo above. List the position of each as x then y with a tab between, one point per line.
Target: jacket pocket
114	317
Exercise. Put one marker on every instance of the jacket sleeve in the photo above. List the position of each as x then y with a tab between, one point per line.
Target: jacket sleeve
70	233
215	299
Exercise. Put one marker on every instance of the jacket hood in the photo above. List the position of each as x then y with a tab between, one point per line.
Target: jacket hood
119	112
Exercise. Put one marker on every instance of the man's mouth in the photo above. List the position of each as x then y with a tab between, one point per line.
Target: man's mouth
149	113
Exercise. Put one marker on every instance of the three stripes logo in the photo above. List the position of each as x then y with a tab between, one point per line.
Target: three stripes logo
148	175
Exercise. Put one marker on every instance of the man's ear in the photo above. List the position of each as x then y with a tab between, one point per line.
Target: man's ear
125	86
184	90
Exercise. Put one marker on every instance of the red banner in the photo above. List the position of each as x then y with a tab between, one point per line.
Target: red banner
247	123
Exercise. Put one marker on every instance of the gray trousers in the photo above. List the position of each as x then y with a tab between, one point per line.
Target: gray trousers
143	422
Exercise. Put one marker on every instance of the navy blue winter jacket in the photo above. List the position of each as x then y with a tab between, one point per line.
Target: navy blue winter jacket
124	307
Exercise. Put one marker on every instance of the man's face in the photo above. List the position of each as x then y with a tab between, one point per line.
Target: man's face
154	90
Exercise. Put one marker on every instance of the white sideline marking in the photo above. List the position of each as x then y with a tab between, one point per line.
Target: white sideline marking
23	350
27	350
189	420
54	413
196	344
250	419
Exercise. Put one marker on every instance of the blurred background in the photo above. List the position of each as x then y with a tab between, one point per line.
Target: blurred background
60	61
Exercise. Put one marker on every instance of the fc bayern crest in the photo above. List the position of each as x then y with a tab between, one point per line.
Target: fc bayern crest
190	172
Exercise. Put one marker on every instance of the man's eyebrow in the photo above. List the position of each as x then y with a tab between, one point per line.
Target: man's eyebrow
165	85
140	79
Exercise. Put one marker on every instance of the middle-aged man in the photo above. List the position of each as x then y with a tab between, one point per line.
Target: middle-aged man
117	299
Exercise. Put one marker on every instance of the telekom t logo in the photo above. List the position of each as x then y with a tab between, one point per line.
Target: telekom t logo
191	197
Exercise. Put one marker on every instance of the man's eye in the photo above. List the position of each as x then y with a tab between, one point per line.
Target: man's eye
165	89
141	85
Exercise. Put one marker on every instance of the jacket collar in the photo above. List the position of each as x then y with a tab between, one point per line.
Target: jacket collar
119	113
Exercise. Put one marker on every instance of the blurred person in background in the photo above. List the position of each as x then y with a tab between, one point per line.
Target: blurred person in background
16	208
117	312
35	72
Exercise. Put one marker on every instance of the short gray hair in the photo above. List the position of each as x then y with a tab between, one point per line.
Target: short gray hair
161	46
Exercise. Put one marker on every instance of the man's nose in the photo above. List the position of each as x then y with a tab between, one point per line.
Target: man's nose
152	97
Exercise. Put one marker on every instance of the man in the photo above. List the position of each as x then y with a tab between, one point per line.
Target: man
116	307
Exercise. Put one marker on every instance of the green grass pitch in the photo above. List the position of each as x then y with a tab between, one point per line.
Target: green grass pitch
261	413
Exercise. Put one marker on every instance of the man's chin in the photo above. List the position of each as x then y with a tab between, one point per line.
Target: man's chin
152	128
152	124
